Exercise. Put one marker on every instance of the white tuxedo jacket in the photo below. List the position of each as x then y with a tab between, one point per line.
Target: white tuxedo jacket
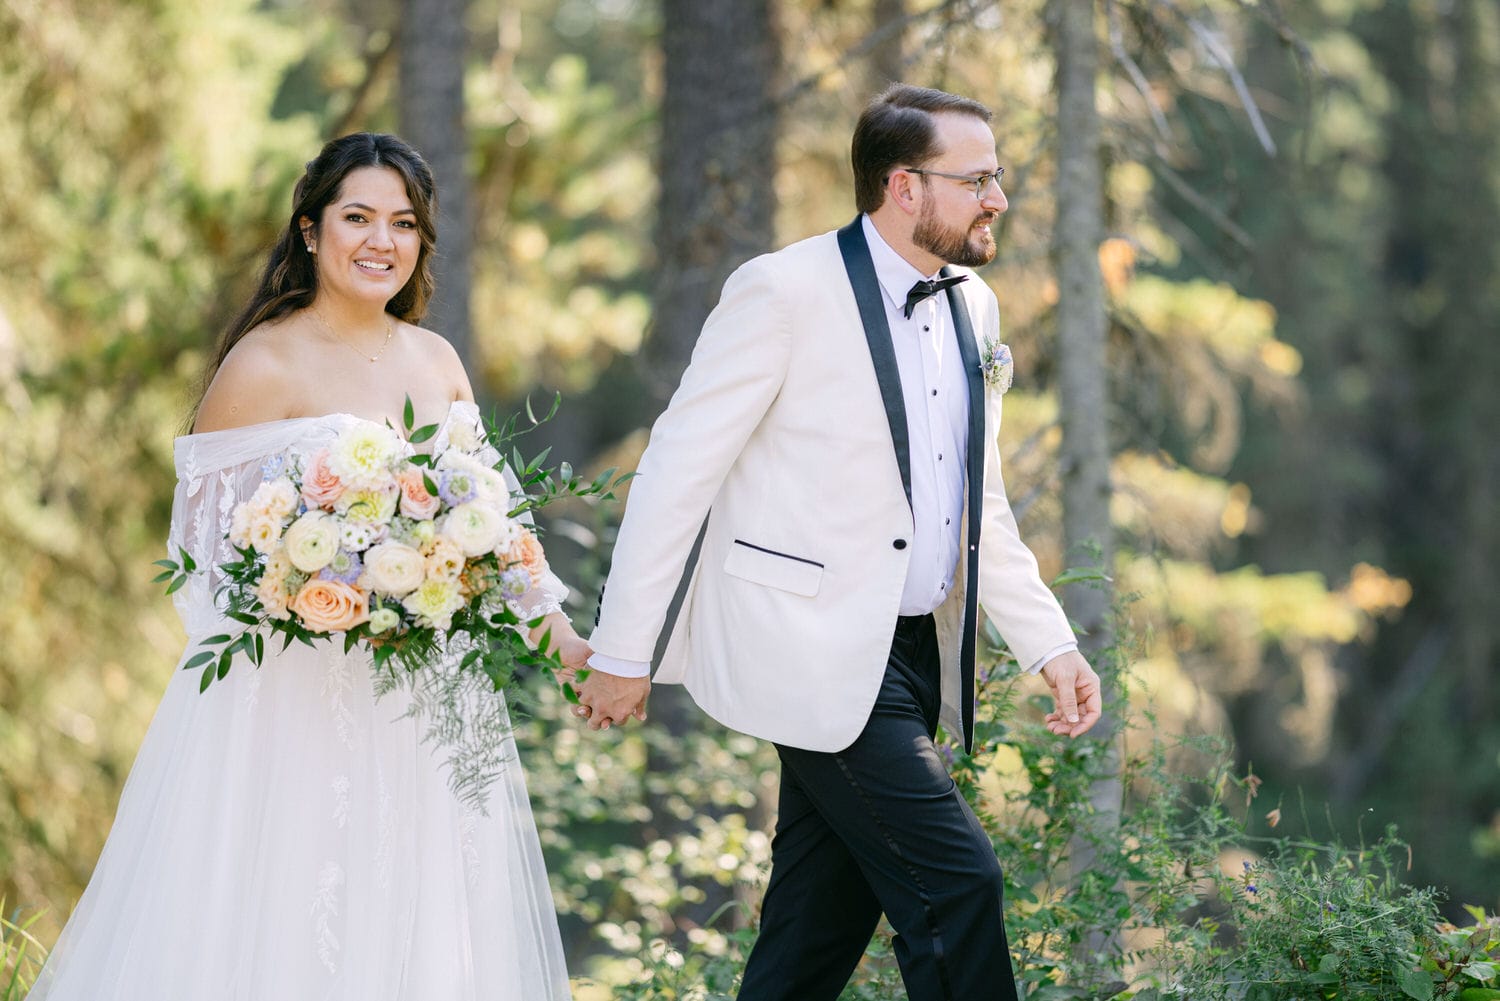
788	432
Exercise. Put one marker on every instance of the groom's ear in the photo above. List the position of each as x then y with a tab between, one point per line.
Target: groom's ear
899	190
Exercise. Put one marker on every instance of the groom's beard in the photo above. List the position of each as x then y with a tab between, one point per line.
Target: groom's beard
968	247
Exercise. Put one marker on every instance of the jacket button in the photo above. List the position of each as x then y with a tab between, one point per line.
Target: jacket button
899	544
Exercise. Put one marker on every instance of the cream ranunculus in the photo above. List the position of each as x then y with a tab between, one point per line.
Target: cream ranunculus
435	602
474	526
444	558
393	568
363	456
272	589
275	498
264	532
239	527
311	541
510	533
493	489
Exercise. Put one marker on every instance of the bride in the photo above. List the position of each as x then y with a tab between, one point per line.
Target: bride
286	834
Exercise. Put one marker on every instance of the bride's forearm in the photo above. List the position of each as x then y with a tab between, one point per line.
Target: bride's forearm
560	627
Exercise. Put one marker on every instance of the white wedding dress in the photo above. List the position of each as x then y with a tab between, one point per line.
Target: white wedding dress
287	836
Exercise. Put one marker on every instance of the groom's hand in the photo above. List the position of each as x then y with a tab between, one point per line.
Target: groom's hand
1075	691
606	699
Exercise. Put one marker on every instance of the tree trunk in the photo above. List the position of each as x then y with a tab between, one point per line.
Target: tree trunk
431	112
888	58
717	209
1085	452
717	166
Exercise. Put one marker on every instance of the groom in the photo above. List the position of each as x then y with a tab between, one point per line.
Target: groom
837	428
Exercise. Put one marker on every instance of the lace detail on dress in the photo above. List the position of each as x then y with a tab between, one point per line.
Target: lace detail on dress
467	848
325	907
338	683
251	697
385	847
341	801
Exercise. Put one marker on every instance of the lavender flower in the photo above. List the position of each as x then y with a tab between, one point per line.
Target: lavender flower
345	568
515	582
455	487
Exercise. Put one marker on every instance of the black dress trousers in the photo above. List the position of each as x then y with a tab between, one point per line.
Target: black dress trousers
881	827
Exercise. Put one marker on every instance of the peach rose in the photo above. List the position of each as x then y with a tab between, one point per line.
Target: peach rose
320	487
328	606
527	552
416	503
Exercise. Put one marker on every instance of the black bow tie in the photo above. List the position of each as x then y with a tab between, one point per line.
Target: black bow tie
921	290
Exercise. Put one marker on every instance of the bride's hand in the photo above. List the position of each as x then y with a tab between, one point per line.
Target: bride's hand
574	652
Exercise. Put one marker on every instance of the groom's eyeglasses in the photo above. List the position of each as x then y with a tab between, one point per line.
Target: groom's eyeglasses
979	184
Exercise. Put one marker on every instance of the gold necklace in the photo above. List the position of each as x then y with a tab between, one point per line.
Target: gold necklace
390	329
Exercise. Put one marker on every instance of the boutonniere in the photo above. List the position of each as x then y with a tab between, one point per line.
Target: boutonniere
996	366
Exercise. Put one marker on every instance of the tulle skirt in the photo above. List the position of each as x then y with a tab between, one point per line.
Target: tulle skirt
287	835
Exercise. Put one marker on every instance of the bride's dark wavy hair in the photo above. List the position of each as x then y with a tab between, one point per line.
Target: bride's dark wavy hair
290	279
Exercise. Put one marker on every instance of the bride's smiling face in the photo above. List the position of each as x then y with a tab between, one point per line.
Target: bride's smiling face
367	243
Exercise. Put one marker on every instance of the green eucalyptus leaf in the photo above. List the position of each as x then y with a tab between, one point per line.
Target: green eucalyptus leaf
1077	575
422	434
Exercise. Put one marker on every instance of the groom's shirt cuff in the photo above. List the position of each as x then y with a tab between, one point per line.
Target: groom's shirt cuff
620	668
1034	669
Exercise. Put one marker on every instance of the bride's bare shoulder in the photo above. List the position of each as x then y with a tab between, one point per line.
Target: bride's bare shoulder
445	357
257	380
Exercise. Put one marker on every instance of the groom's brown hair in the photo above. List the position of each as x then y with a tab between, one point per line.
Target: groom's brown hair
896	129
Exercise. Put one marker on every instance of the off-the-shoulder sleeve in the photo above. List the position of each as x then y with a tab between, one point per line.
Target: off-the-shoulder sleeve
216	471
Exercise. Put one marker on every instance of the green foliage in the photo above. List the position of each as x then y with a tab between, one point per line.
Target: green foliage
21	954
1313	921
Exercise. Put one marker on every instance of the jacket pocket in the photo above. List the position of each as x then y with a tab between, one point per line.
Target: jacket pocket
759	565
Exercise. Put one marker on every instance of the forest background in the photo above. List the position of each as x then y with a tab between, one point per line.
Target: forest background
1250	274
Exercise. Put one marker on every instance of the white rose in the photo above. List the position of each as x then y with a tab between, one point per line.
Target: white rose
474	526
311	541
392	568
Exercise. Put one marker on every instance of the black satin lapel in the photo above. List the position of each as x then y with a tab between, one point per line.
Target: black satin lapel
963	329
861	269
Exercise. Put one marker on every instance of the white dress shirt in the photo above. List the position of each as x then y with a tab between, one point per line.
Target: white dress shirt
935	389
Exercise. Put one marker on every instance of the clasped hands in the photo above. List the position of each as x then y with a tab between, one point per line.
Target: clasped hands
603	699
606	699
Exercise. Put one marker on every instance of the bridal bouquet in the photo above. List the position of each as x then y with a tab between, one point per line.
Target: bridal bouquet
418	557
